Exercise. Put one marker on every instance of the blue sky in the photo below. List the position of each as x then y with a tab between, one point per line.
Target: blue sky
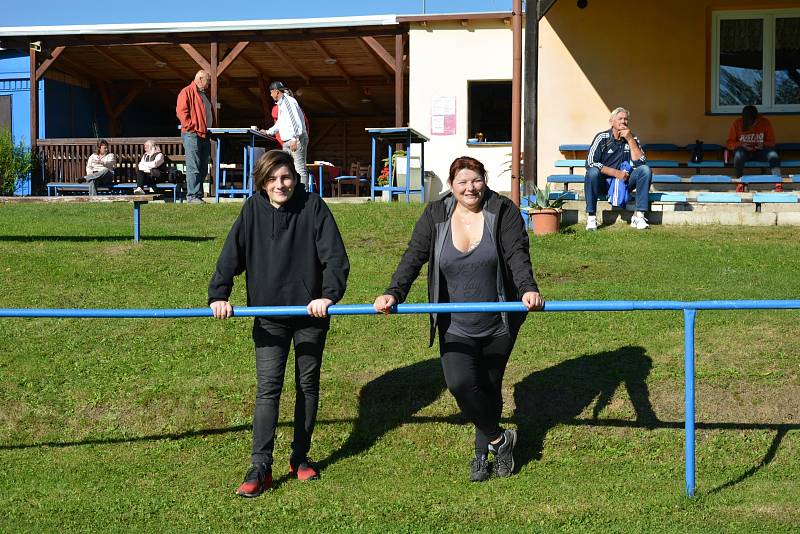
55	12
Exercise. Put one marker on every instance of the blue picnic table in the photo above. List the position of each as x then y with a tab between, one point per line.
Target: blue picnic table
405	136
248	138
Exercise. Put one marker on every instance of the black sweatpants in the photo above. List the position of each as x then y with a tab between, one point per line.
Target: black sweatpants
473	370
272	340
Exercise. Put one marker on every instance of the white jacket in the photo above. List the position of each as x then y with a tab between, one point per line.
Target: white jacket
291	123
97	163
151	160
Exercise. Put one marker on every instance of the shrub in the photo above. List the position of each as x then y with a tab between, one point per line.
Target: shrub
15	162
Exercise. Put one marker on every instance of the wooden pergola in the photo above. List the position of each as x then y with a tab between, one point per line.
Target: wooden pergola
340	70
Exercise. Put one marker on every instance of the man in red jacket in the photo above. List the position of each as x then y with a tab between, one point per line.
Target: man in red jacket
197	116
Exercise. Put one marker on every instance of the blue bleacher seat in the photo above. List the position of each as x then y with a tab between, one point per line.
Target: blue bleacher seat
788	146
775	198
570	163
666	179
727	198
662	164
710	179
565	178
573	148
667	197
662	147
707	147
759	179
707	164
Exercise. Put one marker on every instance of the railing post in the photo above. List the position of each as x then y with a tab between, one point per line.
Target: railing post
688	349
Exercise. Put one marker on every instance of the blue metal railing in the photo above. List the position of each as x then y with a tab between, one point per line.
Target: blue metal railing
689	314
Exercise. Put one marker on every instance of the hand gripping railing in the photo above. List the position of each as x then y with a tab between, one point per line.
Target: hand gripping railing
689	313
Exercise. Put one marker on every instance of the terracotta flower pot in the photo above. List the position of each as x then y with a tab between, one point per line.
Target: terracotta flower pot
545	221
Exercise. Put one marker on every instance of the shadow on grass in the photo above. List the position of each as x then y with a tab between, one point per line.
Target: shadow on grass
389	401
91	238
561	393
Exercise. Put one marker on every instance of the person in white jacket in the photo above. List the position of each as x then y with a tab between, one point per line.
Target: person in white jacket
99	168
291	125
150	167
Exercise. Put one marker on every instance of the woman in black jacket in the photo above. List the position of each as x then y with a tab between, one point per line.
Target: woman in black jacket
288	244
477	249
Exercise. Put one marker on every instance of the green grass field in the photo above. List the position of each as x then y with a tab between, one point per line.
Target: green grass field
144	425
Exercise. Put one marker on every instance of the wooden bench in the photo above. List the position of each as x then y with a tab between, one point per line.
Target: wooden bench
136	200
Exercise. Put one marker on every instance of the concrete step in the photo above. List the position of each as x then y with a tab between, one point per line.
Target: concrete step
693	213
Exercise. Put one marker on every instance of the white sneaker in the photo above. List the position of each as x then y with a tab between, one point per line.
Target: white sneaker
591	222
138	191
640	223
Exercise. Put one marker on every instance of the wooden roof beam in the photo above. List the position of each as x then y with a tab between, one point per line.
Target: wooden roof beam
358	88
125	102
329	59
330	100
381	65
197	57
159	59
380	52
123	63
46	64
231	57
287	60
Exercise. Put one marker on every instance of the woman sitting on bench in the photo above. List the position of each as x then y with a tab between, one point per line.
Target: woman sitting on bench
151	168
99	168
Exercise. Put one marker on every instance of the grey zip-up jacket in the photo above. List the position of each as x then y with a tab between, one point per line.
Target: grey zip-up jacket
514	272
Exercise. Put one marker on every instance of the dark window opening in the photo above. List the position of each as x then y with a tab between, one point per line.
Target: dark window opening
489	111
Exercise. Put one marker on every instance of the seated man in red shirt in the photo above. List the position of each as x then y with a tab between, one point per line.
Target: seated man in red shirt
751	138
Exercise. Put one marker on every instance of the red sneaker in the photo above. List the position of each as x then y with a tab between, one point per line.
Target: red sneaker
303	470
257	480
740	188
779	187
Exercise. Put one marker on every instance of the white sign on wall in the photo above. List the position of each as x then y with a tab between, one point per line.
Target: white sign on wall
443	115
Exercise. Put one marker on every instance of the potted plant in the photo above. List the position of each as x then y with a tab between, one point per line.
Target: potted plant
544	211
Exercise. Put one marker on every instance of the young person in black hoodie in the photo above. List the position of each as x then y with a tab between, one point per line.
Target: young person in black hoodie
476	247
290	249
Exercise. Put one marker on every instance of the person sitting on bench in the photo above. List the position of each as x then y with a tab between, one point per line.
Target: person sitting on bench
99	168
151	168
751	138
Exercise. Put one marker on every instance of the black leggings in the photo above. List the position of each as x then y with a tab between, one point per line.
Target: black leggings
474	369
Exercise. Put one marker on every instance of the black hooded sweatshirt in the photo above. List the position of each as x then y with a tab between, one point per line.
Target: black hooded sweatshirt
291	255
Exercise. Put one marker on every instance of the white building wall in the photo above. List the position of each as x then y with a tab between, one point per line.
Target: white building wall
443	57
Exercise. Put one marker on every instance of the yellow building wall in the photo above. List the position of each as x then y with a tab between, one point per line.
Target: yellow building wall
650	57
443	57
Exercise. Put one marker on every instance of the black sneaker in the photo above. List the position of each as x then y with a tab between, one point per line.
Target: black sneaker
257	480
504	454
479	469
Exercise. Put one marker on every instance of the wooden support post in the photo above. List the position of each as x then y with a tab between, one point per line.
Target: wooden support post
34	96
46	63
399	73
214	82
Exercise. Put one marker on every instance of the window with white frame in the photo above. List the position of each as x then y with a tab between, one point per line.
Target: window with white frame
755	57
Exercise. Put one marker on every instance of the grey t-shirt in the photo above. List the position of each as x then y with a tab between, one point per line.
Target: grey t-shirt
470	277
209	111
